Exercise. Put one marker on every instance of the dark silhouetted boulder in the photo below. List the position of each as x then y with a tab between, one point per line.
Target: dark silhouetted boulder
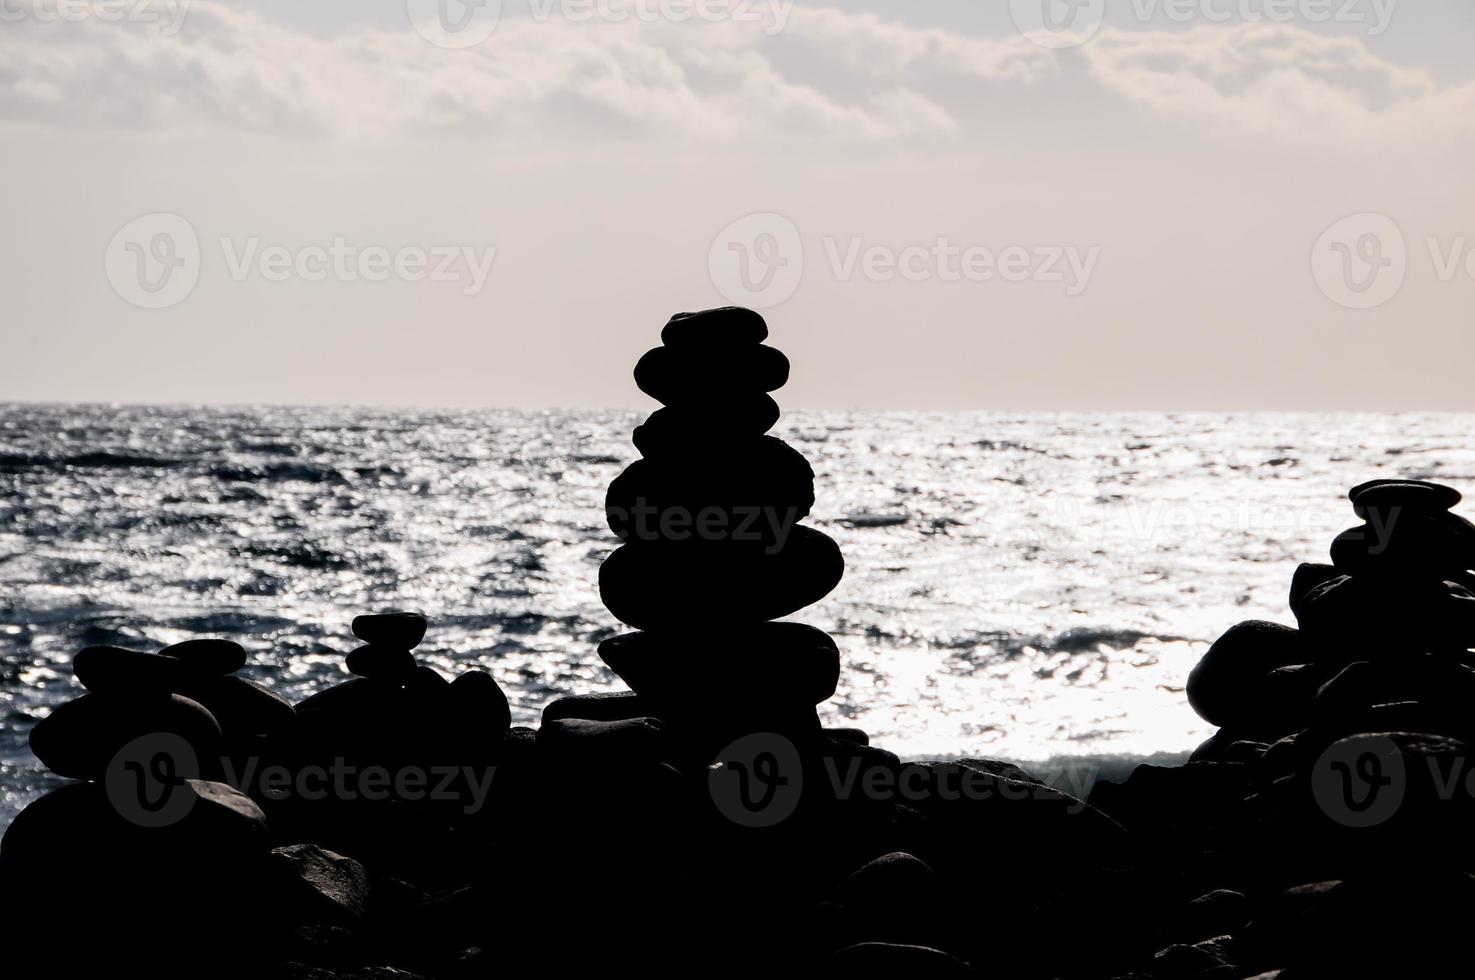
80	738
705	429
1228	686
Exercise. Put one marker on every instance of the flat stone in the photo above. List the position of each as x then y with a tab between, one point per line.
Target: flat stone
318	885
681	376
1407	544
697	583
893	961
387	662
1412	494
208	656
757	490
404	630
631	741
80	738
706	428
764	667
727	326
1363	618
611	706
109	669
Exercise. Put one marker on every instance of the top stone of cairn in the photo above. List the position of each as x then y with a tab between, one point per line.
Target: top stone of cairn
723	327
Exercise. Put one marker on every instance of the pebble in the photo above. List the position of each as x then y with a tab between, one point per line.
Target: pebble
401	629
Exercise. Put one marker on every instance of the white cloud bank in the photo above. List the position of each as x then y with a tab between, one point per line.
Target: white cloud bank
828	76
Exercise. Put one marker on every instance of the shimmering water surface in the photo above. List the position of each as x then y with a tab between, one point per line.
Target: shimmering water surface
1021	586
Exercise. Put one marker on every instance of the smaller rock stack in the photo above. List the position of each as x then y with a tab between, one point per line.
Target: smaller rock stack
148	833
713	550
396	715
1384	638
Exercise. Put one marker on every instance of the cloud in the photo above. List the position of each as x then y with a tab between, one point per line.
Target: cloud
828	76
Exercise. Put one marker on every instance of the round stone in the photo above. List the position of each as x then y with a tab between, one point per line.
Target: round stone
208	656
756	491
727	326
697	583
694	376
705	429
1229	684
387	662
81	737
112	669
398	629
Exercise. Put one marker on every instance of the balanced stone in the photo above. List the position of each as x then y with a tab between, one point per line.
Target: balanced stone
1228	684
207	656
243	708
690	376
376	660
782	664
1360	618
1414	495
1407	544
402	629
80	738
480	704
1307	577
608	706
116	670
755	492
652	585
705	428
727	326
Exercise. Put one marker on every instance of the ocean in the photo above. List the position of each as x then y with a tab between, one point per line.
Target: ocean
1022	586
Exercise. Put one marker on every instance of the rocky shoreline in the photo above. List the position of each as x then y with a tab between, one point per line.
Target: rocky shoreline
706	823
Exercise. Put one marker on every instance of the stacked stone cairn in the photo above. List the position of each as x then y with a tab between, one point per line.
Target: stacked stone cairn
1324	830
147	844
713	549
398	716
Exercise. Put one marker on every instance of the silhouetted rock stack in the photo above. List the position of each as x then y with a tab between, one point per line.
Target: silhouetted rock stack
1325	827
149	834
1388	623
713	549
395	715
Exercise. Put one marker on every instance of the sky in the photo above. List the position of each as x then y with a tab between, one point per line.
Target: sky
937	204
